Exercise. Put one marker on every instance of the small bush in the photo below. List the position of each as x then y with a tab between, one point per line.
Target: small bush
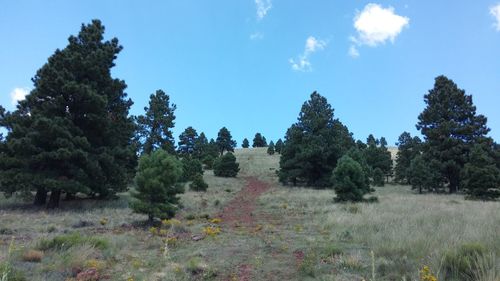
198	184
208	161
191	167
8	273
32	256
461	263
378	177
309	264
226	166
70	240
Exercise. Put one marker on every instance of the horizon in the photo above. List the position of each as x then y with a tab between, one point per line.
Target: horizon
250	65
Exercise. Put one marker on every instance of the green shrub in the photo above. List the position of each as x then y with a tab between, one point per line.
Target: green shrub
461	263
191	167
208	161
157	185
226	166
8	273
378	177
198	184
69	240
349	180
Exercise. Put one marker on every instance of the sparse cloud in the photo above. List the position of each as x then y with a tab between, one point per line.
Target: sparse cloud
263	7
257	36
376	25
353	51
495	12
302	63
18	94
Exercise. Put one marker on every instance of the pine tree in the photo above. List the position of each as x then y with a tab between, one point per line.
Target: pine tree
378	177
156	185
190	168
245	143
72	133
155	127
200	146
408	148
187	141
313	145
481	176
421	175
357	155
259	141
278	146
450	127
349	180
270	148
225	141
198	184
377	155
226	166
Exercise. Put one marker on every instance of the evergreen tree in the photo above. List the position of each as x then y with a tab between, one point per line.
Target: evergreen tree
270	148
198	184
187	141
357	155
450	127
278	146
313	145
421	175
212	149
190	168
245	143
378	156
408	148
156	185
226	166
155	127
349	180
378	177
481	176
259	141
72	133
200	146
225	141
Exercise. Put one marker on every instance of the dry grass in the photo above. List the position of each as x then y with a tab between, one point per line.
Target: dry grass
300	234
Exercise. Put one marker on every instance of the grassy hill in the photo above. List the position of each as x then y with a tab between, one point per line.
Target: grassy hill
252	228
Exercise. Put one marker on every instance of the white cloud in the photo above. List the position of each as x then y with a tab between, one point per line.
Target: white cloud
18	94
263	7
302	63
495	12
256	36
376	25
353	51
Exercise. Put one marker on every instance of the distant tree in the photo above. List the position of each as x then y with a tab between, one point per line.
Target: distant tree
226	166
212	149
198	184
208	161
313	145
259	141
225	141
450	127
481	176
155	127
190	168
378	177
371	140
421	175
73	131
200	146
245	143
408	148
157	185
278	146
378	156
357	155
361	145
270	148
187	141
349	180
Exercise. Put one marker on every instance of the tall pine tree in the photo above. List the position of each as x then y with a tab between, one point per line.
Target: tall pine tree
155	127
450	127
187	141
408	148
245	143
225	141
72	133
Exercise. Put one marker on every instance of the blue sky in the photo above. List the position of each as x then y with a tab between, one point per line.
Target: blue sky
250	64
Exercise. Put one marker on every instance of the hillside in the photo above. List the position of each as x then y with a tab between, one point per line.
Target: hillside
252	228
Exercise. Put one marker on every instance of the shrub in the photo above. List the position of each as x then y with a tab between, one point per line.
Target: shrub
157	185
69	240
226	166
32	256
198	184
378	177
190	168
461	263
208	161
349	180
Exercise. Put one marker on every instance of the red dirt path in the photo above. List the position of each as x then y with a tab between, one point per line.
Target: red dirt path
239	212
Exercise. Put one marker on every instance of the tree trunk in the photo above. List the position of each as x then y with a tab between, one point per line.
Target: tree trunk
54	199
40	197
420	190
69	196
453	186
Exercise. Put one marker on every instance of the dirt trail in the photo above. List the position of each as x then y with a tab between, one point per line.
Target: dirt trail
240	211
